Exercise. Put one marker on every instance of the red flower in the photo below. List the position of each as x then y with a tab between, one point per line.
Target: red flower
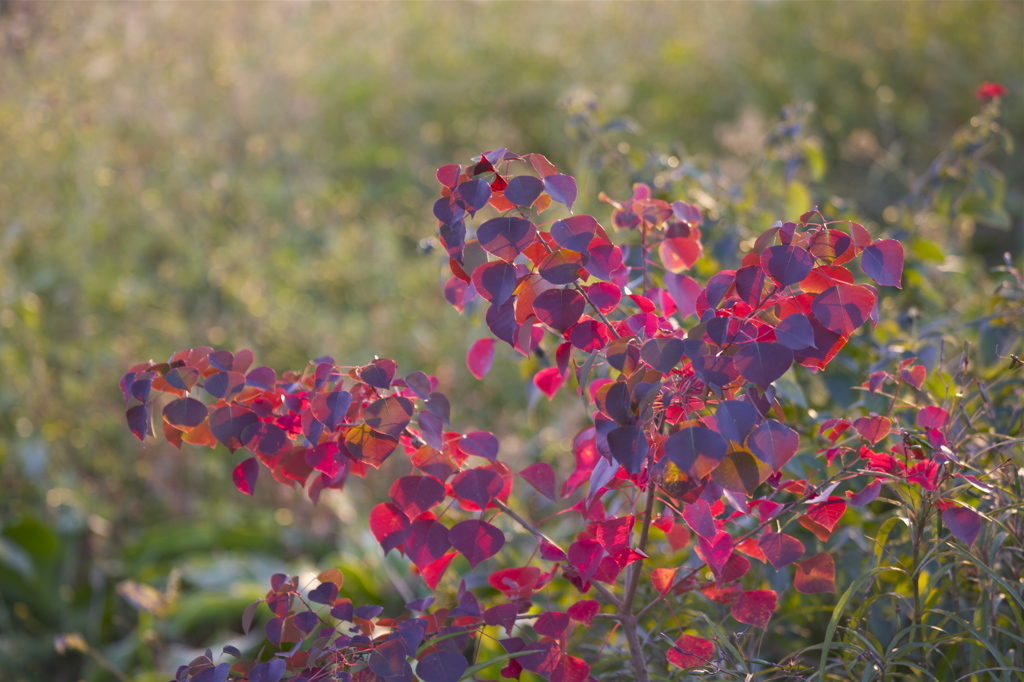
989	91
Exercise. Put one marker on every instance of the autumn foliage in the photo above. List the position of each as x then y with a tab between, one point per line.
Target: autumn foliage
688	444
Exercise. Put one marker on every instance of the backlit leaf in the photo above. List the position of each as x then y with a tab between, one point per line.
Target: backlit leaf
185	413
873	428
843	307
416	494
561	266
480	444
245	474
781	549
228	422
773	443
816	575
495	281
542	477
575	232
696	450
561	188
883	262
786	264
629	447
478	486
506	237
691	652
662	354
480	356
755	607
369	446
389	415
762	363
795	332
476	540
523	190
741	472
330	408
559	308
962	522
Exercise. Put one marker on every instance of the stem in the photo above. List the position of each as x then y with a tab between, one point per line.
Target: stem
626	616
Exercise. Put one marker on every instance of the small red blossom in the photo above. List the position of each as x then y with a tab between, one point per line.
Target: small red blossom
986	92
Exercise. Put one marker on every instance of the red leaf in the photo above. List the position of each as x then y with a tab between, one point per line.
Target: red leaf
606	296
781	549
755	607
616	533
873	428
476	540
828	513
963	522
480	357
715	552
551	624
914	375
570	669
932	418
548	381
684	291
663	579
883	262
584	555
678	254
692	652
584	611
559	308
843	308
542	477
389	525
245	474
433	571
817	574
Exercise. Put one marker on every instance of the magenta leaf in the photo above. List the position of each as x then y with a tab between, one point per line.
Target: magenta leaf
629	447
426	542
523	190
692	652
551	624
773	443
604	260
662	354
843	307
561	188
781	549
542	477
575	232
962	522
245	474
478	486
480	444
185	413
480	356
787	264
883	262
684	291
506	237
265	439
755	607
604	295
867	495
476	540
716	551
698	517
416	494
442	666
696	450
763	363
495	281
559	308
228	422
330	408
378	373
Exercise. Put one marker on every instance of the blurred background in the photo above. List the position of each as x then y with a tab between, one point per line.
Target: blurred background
261	176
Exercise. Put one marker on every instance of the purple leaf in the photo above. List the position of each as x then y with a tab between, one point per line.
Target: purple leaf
662	354
523	190
561	188
542	477
575	232
245	474
559	308
795	332
330	408
442	666
416	494
472	195
506	237
185	413
762	362
138	420
480	444
773	443
476	540
217	673
963	522
787	264
883	262
495	281
736	419
629	447
696	450
265	439
478	486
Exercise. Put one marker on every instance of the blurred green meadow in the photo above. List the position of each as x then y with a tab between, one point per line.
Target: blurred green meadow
260	175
